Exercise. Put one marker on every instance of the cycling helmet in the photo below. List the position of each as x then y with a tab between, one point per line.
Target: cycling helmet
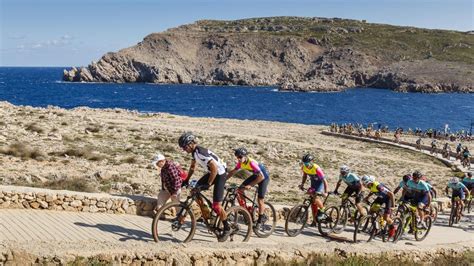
469	174
345	169
307	158
186	139
406	178
417	175
454	180
239	152
367	179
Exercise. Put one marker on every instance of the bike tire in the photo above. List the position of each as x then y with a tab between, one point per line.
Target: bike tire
421	234
398	224
266	228
452	215
363	229
341	223
469	206
296	220
240	222
165	218
327	226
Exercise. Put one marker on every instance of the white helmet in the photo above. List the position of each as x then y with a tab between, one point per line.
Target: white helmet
158	157
345	169
454	180
367	179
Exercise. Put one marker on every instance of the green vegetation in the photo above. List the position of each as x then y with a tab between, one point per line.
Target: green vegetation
404	43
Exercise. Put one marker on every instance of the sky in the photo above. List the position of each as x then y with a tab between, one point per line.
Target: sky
75	33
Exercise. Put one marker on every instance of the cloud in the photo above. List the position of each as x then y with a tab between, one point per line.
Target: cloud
59	42
17	37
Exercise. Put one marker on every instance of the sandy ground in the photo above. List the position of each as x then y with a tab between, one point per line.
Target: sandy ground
112	148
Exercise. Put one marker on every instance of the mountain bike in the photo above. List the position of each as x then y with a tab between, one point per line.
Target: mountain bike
407	212
176	221
266	227
466	162
348	213
372	225
455	214
298	216
468	203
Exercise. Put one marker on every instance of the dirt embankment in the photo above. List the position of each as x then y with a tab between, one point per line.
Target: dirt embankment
299	54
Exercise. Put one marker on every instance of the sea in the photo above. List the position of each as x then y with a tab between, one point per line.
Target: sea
43	86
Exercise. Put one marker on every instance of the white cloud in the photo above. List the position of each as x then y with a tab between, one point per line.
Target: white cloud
59	42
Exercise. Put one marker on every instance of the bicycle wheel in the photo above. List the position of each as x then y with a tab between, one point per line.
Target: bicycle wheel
341	223
398	226
469	206
452	215
328	223
174	222
240	223
296	220
268	224
421	233
364	229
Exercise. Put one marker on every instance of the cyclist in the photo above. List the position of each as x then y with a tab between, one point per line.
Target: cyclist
446	150
458	150
319	184
460	191
353	187
259	177
422	195
418	143
216	175
384	196
402	184
468	181
433	146
466	154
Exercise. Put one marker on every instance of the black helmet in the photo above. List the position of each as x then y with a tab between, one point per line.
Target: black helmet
417	174
406	178
239	152
307	158
186	139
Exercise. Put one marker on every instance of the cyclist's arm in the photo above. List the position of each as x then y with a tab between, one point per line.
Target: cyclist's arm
429	198
191	169
231	173
337	185
257	180
396	190
467	192
326	185
305	176
392	197
446	190
213	171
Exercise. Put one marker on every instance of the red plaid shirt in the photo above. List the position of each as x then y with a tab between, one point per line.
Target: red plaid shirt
170	177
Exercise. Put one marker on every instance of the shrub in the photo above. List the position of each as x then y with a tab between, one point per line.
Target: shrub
20	150
130	160
34	128
74	184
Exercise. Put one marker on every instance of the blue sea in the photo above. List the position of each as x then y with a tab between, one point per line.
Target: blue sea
40	86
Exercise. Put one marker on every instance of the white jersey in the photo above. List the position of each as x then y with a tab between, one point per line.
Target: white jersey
203	156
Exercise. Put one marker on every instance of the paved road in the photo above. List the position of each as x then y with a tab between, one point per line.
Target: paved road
25	226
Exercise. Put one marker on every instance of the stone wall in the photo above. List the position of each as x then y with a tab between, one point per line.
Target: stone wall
13	197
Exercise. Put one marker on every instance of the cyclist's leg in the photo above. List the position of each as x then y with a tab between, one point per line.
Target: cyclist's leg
241	190
358	198
319	188
261	191
203	181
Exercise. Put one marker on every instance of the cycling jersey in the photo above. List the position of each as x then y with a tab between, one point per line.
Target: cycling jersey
466	154
314	171
468	180
378	189
420	187
456	187
350	179
203	156
252	166
402	184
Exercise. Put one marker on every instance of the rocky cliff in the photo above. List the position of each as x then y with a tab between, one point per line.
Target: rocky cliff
299	54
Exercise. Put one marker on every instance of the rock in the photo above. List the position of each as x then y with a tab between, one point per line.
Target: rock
76	203
34	205
93	209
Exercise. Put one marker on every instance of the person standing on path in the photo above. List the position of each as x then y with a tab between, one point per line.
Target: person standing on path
172	177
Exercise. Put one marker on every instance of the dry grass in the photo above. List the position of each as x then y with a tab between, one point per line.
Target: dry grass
33	127
22	151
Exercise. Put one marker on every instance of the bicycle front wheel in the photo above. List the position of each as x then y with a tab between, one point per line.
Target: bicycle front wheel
422	233
453	214
174	222
389	236
268	223
328	223
342	219
296	220
240	223
364	229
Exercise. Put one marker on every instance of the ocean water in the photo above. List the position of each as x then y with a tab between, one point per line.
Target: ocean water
43	86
